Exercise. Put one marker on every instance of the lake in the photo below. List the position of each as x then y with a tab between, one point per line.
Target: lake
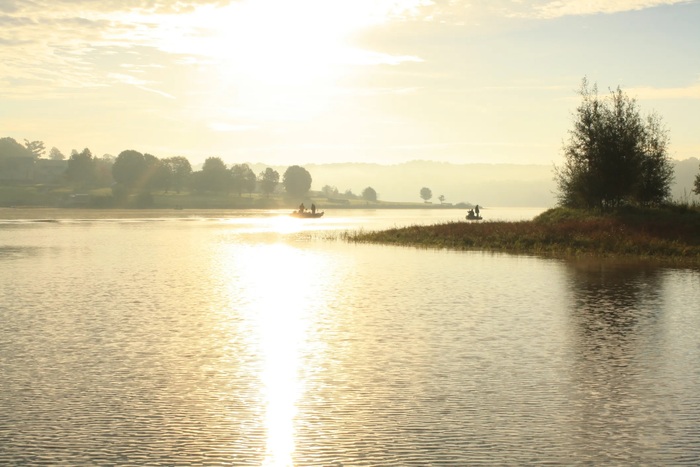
250	338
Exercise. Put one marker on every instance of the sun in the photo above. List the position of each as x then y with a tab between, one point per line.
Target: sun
278	42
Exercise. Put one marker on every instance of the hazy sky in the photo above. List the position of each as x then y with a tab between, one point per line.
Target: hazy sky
300	81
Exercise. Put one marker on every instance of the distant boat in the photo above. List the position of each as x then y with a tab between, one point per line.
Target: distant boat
307	214
473	217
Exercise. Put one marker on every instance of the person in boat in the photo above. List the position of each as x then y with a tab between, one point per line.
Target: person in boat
476	210
313	208
302	208
470	213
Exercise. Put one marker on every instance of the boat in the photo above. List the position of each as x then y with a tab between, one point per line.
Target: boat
307	214
473	217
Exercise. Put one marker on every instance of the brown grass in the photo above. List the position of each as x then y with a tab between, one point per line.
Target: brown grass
658	234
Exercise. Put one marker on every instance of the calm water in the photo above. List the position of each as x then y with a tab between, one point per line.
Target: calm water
256	339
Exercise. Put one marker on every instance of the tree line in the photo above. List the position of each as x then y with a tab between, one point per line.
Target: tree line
133	172
613	157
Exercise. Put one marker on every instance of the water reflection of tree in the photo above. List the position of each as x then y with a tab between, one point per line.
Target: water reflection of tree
611	298
615	340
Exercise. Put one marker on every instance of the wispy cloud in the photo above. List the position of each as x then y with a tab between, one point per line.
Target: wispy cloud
138	83
649	93
559	8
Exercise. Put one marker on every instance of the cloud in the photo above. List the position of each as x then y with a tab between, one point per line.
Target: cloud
649	93
138	83
559	8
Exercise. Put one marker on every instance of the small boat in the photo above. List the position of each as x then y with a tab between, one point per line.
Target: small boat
473	217
307	214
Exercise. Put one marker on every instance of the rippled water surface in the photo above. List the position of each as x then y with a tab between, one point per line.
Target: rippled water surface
250	338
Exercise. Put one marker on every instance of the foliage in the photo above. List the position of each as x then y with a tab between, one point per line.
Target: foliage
129	168
214	176
369	194
242	178
10	148
697	184
296	181
613	156
56	155
103	170
158	174
425	194
35	147
268	178
180	172
81	169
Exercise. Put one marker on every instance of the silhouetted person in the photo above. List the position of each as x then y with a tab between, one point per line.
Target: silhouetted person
302	208
313	208
476	210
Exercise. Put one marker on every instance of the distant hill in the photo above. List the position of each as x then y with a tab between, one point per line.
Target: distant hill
484	184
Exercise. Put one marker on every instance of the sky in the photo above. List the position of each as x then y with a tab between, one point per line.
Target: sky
286	82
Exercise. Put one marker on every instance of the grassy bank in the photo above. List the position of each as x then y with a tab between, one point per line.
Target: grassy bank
671	233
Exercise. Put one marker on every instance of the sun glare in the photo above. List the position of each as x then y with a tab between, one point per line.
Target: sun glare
277	301
267	60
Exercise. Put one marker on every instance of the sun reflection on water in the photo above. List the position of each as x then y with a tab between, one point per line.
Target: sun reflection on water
278	300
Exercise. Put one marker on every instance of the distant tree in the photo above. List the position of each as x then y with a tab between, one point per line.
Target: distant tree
296	181
103	170
180	170
81	168
349	194
613	156
35	147
426	193
441	198
242	178
329	191
129	168
10	148
56	155
214	176
268	179
369	194
157	174
697	184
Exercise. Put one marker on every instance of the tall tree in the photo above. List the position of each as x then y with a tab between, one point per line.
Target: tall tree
181	171
81	168
697	184
296	181
56	155
214	176
129	168
35	147
369	194
268	178
426	193
9	148
158	175
613	155
242	178
103	170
